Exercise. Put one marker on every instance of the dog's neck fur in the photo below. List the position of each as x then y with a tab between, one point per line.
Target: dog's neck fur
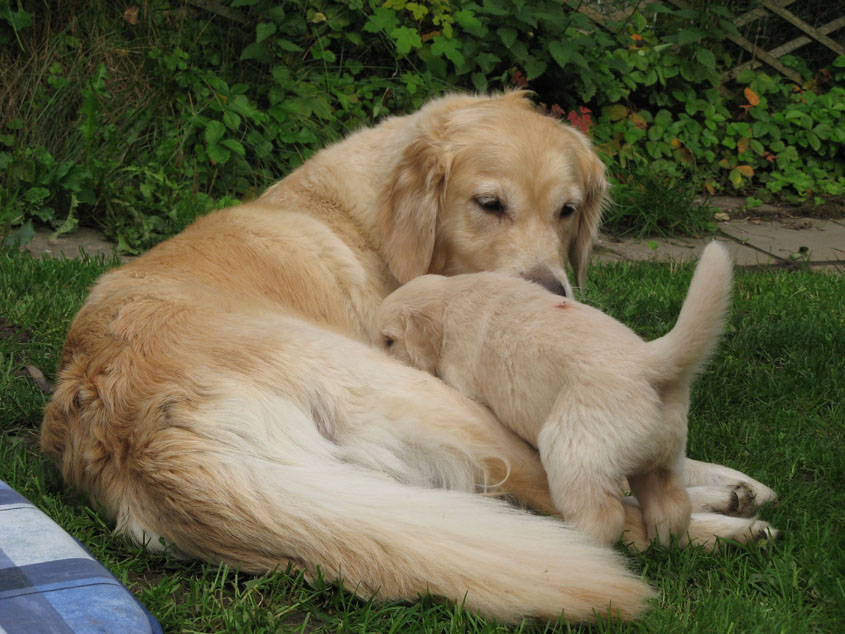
330	173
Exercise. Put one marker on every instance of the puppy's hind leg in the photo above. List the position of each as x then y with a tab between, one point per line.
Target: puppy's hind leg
665	504
591	510
588	499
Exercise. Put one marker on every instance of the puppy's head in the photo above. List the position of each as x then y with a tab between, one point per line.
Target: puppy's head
489	184
410	322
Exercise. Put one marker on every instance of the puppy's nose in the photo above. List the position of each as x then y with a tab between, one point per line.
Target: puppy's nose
545	278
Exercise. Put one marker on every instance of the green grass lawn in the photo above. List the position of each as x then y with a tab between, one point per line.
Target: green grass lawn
772	404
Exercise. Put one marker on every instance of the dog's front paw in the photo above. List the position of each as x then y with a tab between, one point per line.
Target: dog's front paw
738	500
707	528
749	492
760	493
762	531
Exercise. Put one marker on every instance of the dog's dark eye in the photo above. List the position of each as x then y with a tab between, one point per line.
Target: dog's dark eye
491	204
388	341
566	211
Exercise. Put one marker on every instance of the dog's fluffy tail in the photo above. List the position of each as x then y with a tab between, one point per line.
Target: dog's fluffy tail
688	346
382	538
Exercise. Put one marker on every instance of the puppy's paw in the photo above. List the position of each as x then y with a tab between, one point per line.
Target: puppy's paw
738	500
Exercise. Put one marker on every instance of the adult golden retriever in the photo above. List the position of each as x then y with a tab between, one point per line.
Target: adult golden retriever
218	396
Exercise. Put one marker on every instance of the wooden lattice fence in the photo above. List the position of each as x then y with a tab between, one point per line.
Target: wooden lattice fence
759	55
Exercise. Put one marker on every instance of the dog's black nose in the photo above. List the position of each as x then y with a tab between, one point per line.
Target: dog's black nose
547	280
555	287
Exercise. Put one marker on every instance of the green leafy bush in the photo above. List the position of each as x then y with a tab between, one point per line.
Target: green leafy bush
140	122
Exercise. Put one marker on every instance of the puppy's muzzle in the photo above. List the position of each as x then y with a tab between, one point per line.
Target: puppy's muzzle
548	280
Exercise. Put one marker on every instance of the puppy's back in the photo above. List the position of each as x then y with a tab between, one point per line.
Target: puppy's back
515	346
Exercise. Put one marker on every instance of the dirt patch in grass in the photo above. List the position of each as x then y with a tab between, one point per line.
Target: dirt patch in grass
17	334
833	207
13	332
830	209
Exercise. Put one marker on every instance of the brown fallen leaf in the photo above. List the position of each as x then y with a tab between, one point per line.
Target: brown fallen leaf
131	15
38	376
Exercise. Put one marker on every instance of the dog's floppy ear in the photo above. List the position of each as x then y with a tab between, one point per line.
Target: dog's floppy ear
423	337
409	206
589	216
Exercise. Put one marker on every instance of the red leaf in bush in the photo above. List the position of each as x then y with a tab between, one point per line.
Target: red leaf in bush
581	120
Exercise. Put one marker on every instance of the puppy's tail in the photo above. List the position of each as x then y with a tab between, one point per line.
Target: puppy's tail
686	348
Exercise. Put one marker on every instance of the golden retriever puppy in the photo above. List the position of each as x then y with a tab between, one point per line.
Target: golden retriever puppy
598	402
219	396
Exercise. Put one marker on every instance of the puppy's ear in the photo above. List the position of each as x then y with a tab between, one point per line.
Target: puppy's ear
589	216
409	206
423	337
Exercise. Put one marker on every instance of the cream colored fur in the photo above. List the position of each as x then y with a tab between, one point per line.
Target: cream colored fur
219	395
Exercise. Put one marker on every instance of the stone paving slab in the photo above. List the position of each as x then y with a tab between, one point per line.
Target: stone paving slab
821	240
70	245
610	249
750	242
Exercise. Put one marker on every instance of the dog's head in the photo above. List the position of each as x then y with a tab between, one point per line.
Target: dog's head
410	322
490	184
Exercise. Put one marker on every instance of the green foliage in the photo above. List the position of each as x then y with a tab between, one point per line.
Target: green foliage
140	126
13	18
652	203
